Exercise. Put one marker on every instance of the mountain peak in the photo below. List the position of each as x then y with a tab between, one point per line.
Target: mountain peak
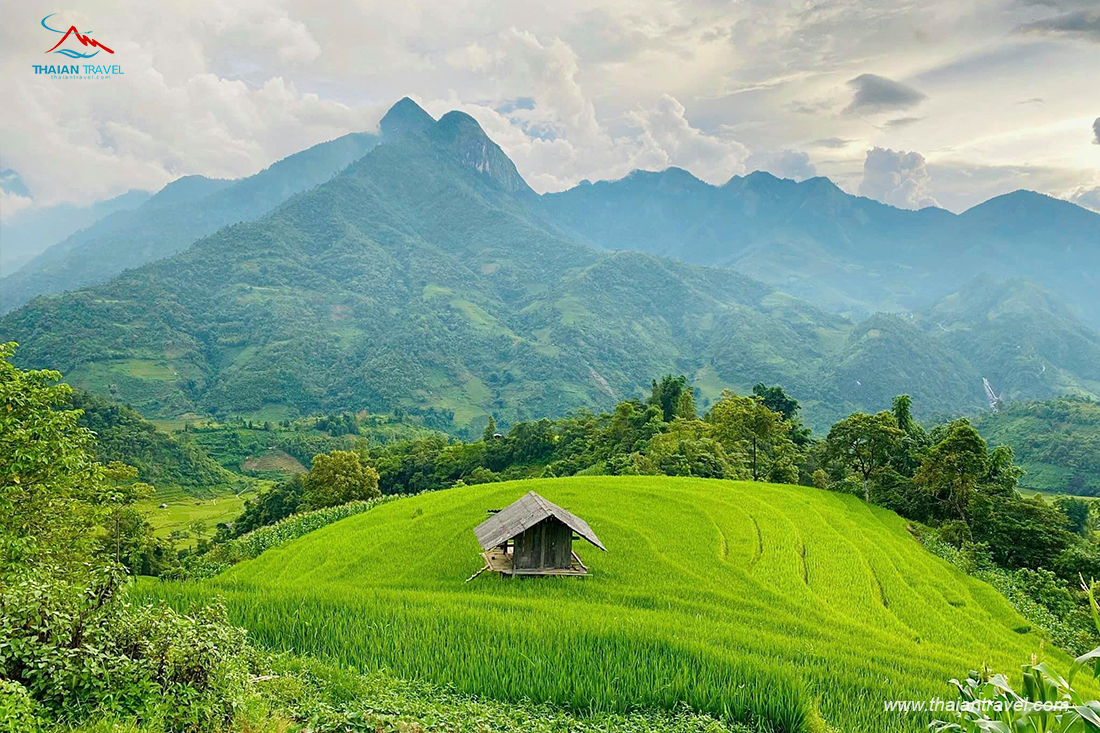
463	136
405	116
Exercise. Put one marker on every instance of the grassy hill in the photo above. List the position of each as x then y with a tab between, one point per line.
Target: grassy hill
1057	441
752	601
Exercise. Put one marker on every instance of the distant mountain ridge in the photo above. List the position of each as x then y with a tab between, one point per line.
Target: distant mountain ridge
28	233
426	276
182	212
848	254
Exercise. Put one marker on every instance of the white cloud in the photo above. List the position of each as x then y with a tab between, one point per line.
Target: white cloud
793	164
12	203
669	139
1087	197
897	178
169	115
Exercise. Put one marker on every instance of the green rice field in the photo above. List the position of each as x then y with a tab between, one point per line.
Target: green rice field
787	607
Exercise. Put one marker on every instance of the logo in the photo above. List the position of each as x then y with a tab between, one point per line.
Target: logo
82	37
78	47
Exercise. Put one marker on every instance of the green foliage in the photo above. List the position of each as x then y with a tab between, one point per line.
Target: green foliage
864	443
1077	514
666	394
338	478
953	467
756	435
49	482
270	506
19	713
80	650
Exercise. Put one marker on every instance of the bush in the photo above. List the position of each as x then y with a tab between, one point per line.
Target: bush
18	710
82	651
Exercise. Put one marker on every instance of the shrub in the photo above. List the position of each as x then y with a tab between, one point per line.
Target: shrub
82	651
18	710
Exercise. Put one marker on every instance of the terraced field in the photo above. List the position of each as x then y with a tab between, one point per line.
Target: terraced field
786	606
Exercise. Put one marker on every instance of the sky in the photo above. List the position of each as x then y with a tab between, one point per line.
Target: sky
931	103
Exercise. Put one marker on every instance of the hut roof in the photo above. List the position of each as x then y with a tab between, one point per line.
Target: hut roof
528	511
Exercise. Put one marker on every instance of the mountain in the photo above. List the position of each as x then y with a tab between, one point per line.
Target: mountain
27	233
1019	336
1057	441
183	211
848	254
427	277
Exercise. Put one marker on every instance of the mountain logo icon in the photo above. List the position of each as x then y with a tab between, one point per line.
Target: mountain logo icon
83	38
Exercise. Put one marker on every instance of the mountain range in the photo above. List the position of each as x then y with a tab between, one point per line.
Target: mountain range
183	211
847	254
27	233
427	276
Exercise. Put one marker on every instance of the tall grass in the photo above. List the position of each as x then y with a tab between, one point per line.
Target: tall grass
775	604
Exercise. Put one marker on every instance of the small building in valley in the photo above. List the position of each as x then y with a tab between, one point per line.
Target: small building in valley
533	537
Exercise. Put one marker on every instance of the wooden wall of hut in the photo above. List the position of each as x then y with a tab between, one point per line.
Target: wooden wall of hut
548	544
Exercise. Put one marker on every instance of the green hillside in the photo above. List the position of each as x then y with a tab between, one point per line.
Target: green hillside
161	459
1018	335
775	603
1057	442
427	277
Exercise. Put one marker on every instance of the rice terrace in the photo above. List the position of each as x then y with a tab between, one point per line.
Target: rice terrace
783	605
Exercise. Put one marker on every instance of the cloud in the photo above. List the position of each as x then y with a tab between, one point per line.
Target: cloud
875	93
832	142
1096	131
902	122
897	178
793	164
1083	24
555	137
1087	197
669	139
12	203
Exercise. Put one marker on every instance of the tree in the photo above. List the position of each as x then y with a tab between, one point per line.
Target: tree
337	478
914	440
1026	533
685	406
745	425
1077	513
50	483
954	467
777	400
864	443
688	449
490	430
666	395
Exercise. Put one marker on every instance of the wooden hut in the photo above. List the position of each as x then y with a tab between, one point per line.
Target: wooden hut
533	537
